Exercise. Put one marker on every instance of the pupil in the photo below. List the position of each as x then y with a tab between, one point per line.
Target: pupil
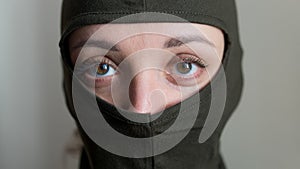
102	69
184	67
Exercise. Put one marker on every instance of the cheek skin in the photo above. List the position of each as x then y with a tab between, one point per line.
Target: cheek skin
104	93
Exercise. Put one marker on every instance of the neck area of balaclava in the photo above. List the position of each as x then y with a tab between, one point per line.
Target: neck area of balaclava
188	153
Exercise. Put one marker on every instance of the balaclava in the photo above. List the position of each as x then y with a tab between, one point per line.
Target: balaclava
189	153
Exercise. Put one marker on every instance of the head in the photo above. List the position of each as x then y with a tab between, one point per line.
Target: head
164	56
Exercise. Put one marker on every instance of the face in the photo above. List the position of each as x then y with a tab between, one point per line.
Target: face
146	67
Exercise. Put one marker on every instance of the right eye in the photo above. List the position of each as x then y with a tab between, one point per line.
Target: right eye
97	71
101	70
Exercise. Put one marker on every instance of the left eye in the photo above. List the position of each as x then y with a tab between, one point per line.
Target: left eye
185	68
102	70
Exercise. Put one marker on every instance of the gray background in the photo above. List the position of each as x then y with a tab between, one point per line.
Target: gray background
35	124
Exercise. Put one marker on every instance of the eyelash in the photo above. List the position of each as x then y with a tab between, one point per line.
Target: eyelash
193	59
96	60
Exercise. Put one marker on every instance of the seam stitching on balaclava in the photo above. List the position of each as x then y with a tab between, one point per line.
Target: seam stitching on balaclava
133	12
145	5
138	11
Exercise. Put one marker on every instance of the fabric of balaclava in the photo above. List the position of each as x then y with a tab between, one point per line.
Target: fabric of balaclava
189	153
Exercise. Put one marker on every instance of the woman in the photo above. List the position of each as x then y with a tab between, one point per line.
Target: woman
151	84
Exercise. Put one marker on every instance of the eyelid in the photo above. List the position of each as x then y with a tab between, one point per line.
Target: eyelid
193	59
92	61
99	59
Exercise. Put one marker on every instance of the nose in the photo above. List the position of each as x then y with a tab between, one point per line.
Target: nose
146	93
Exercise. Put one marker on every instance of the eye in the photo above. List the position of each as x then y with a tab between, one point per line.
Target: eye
96	71
185	68
102	70
186	65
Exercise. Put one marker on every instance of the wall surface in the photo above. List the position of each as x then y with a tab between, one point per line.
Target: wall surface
35	124
264	131
34	121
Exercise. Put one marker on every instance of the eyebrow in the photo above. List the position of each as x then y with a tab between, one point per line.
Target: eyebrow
172	42
181	40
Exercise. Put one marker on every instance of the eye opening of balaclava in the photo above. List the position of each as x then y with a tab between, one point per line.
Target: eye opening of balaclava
211	12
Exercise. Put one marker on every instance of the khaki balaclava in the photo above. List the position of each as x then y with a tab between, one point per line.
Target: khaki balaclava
188	153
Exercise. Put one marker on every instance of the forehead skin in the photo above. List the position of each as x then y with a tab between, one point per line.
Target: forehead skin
142	41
